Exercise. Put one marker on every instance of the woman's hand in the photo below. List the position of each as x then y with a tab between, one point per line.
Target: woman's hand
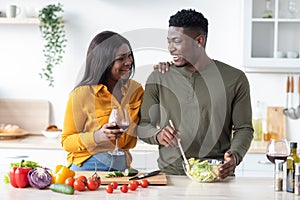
108	131
163	66
228	167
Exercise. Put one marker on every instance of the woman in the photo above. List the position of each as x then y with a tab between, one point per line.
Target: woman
87	136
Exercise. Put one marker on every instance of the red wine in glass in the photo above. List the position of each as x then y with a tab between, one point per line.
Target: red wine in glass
273	157
121	117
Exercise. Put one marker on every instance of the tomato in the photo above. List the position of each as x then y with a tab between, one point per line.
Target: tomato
92	184
70	181
124	188
109	189
135	182
98	179
132	186
144	183
82	178
114	184
79	185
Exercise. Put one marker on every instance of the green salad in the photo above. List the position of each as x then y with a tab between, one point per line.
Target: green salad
202	171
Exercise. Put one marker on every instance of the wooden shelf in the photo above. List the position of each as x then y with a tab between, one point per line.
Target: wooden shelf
19	20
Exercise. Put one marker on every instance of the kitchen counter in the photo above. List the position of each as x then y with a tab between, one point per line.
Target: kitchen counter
178	187
41	142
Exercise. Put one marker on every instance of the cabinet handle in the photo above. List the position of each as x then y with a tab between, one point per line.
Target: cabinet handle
17	157
263	162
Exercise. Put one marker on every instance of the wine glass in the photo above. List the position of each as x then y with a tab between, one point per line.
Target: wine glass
121	118
277	152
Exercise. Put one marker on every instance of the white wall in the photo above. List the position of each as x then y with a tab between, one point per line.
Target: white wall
140	21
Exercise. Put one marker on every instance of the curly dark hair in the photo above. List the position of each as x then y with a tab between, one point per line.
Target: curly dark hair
190	18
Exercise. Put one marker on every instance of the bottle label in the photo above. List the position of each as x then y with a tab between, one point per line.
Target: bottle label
290	178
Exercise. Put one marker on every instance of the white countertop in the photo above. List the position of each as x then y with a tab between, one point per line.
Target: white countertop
41	142
178	187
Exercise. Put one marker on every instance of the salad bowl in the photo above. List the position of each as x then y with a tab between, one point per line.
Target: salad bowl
203	171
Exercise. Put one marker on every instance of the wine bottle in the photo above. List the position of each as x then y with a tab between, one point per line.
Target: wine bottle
290	167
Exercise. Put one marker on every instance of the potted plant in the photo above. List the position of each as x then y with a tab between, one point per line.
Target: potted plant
52	29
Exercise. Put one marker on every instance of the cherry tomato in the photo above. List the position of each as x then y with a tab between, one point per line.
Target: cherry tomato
82	178
98	179
124	188
114	184
109	189
79	185
135	182
92	184
132	186
70	181
144	183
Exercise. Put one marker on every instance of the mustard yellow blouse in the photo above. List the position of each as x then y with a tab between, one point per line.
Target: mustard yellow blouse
88	109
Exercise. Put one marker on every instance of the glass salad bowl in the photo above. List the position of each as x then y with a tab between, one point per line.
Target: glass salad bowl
203	171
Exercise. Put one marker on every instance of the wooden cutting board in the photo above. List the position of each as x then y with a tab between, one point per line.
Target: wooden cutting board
276	121
159	179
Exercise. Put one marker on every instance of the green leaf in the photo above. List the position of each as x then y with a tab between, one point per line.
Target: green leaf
52	29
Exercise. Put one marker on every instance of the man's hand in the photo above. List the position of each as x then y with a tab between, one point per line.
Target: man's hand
167	137
228	167
163	66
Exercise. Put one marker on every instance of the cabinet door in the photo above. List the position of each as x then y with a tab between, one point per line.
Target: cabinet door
45	158
269	43
257	165
144	160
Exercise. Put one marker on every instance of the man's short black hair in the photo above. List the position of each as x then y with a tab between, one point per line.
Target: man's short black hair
189	19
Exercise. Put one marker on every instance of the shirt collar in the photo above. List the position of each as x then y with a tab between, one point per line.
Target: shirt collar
101	87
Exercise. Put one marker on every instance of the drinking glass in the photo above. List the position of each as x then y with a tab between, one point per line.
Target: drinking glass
121	118
277	153
277	150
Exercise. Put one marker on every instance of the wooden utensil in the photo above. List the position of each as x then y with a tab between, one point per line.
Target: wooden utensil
186	162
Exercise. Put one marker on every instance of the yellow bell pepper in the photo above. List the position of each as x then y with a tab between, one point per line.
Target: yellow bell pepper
61	173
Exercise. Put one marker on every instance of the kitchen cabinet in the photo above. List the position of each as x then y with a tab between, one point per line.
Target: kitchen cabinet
44	157
19	20
144	160
266	38
144	156
255	165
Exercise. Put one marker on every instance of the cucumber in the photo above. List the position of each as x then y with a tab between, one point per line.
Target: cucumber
62	188
114	174
131	172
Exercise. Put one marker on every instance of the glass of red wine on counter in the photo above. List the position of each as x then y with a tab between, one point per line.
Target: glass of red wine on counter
121	117
277	153
277	150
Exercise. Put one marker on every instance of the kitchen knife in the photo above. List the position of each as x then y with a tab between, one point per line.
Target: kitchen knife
145	175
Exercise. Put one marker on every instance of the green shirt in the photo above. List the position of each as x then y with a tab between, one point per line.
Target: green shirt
211	108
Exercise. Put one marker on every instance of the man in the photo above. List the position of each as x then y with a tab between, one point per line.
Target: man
207	101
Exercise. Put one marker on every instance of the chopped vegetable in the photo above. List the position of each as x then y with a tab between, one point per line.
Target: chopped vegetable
130	172
62	188
39	177
114	174
202	171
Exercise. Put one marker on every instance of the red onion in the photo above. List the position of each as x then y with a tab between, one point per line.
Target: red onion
39	177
